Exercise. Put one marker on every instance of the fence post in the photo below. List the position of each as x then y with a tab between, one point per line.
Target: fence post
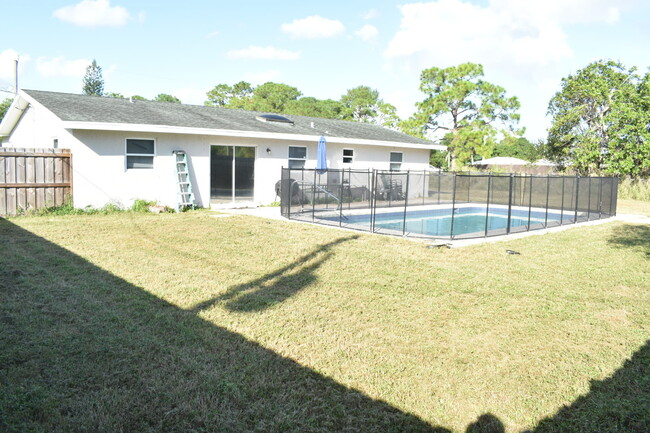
562	205
439	174
313	197
406	201
341	198
548	189
612	195
487	205
425	177
374	201
453	208
600	198
512	177
589	199
290	187
530	201
575	216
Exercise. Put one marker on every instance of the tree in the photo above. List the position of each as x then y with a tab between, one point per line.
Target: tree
517	147
4	106
600	121
114	95
363	104
138	98
456	99
163	97
222	94
93	82
271	97
309	106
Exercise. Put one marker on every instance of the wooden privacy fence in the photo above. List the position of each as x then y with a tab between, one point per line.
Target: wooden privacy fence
33	179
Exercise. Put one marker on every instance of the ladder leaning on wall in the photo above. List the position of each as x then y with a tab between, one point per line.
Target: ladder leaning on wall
184	194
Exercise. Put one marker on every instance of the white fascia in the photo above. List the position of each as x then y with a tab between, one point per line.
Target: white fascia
129	127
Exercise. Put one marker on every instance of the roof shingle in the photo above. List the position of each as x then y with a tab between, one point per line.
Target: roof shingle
82	108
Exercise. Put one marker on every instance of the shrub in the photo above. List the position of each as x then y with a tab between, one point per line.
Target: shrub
634	189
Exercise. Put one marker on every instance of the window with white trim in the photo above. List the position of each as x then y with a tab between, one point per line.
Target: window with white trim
297	157
396	161
348	156
140	153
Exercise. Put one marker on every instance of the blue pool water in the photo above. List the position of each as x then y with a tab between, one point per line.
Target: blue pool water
438	222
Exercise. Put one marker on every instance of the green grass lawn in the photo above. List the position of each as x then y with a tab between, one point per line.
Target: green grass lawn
185	322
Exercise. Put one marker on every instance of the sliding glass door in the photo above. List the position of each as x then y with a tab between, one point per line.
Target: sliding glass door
232	173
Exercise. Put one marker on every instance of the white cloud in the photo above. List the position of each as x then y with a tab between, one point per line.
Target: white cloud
262	77
8	64
505	33
313	27
367	32
60	67
190	95
97	13
371	14
212	34
263	53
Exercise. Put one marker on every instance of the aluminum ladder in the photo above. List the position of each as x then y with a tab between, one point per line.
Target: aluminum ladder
184	194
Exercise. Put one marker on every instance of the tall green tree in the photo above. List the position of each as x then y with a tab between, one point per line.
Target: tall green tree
517	146
271	97
4	106
93	81
595	119
363	104
313	107
223	95
164	97
600	121
458	98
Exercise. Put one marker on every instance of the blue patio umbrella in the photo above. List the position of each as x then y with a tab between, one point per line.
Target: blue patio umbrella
321	161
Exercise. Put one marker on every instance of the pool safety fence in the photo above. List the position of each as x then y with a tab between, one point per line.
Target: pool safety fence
443	205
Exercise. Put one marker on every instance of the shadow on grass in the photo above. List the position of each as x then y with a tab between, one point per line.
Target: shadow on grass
83	350
275	287
632	236
620	403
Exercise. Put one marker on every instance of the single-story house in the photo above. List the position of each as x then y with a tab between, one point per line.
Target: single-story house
122	148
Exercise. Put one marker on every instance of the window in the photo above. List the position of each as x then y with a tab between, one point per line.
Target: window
396	161
55	143
139	153
297	157
348	156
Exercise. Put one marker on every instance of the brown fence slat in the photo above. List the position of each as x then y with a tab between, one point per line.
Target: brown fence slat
33	179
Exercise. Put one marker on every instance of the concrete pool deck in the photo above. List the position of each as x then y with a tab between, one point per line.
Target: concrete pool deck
273	212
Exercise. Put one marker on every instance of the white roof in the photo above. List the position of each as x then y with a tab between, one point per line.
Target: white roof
545	163
501	160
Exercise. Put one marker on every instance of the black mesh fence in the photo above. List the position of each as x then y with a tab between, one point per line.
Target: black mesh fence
443	205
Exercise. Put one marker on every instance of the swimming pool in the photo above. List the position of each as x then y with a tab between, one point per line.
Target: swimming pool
438	222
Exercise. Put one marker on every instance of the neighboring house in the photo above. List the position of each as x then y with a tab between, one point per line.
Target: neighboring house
122	149
516	165
500	161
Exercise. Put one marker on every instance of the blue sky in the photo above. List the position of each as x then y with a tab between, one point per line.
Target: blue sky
148	47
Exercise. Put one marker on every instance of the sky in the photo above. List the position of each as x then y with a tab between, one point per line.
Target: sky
323	48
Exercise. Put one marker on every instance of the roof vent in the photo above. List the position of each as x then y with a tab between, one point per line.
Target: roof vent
274	118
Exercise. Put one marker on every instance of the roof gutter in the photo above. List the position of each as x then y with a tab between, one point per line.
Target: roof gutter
165	129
